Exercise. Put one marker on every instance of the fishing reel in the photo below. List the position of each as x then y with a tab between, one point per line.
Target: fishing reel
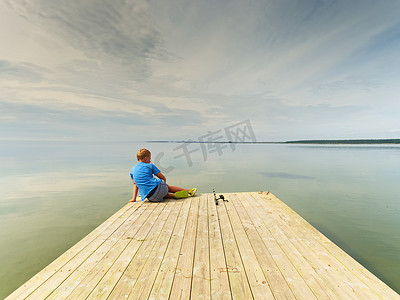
220	197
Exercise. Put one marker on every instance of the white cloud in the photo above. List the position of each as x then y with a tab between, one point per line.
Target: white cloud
119	35
193	65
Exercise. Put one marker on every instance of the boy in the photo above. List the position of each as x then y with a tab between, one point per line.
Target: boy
154	189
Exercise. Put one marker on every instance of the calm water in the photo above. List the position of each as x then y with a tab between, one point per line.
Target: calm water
53	194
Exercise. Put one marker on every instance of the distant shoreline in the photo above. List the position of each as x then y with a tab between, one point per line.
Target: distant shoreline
347	142
328	142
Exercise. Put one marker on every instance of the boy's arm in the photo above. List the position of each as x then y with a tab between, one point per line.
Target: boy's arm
161	176
135	191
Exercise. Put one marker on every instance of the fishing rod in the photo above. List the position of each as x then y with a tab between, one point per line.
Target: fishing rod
220	197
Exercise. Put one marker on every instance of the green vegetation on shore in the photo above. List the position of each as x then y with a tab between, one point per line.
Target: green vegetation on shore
360	141
345	142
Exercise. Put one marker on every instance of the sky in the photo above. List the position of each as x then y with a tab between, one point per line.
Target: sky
132	70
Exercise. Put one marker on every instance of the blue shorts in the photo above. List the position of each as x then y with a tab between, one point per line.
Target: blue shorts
159	193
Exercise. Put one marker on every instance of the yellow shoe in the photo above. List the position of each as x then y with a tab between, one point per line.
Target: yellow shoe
181	194
192	192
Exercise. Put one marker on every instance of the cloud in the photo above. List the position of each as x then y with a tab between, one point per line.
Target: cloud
294	69
119	35
234	48
23	72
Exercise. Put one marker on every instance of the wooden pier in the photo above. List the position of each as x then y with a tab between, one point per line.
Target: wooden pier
251	247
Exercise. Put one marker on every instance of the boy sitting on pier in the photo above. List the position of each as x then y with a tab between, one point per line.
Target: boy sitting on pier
154	189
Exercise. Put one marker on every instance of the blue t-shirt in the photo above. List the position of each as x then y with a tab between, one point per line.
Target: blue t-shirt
142	174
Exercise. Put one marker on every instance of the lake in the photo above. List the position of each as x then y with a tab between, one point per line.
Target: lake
52	194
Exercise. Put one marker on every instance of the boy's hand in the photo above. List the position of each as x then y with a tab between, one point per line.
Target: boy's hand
132	200
161	176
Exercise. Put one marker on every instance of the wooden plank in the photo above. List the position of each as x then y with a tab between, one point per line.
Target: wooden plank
369	279
40	278
274	268
252	247
144	283
201	266
163	282
317	261
327	266
274	222
281	249
239	283
220	288
181	286
256	278
110	279
66	270
130	275
73	280
83	285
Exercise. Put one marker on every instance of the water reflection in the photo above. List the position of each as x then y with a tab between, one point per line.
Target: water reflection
53	194
285	175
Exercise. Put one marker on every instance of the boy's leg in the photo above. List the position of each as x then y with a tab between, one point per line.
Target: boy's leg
170	196
173	192
173	189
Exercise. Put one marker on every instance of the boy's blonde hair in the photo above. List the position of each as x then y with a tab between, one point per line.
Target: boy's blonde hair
142	153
